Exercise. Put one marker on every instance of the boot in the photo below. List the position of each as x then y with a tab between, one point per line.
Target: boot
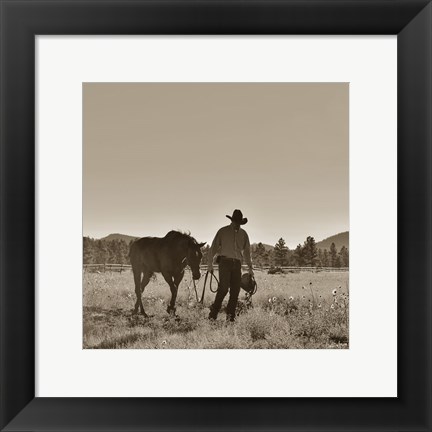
230	318
213	314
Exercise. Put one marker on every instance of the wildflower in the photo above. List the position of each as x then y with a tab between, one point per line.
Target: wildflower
274	299
319	305
334	292
164	342
291	298
270	300
303	297
332	306
303	287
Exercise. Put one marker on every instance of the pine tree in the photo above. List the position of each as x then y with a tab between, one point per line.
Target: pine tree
125	249
320	258
280	252
344	255
325	259
88	250
333	255
259	255
112	247
270	257
298	256
101	252
119	252
310	252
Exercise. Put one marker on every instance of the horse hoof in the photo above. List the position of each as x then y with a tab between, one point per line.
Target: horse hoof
171	310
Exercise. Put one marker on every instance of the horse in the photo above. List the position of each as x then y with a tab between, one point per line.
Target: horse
168	255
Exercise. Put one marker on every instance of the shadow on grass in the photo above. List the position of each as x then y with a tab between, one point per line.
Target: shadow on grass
119	342
96	311
120	328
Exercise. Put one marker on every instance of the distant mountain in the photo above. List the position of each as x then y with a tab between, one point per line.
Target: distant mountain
266	246
341	239
126	238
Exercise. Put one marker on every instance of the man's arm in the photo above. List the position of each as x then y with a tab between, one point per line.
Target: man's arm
247	252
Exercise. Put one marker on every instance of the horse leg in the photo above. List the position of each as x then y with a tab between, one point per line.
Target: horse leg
139	288
177	280
144	283
137	280
174	288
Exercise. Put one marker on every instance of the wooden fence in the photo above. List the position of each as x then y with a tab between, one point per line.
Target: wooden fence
123	267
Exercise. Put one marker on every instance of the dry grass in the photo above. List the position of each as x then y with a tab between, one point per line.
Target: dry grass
286	313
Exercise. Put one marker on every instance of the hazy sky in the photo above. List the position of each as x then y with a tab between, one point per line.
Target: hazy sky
162	156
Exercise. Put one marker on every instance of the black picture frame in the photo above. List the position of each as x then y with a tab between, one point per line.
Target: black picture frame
410	20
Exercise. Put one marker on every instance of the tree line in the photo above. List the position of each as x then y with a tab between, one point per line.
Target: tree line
306	255
105	251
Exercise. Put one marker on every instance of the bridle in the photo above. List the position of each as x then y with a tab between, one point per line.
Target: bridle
186	264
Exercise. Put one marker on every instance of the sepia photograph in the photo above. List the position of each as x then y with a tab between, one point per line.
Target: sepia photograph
215	216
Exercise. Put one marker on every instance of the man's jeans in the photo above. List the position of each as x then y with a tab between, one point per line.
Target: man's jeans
229	277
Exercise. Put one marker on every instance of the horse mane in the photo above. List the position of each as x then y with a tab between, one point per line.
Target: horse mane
180	235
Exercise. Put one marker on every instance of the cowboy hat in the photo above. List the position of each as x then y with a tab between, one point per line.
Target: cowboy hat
237	217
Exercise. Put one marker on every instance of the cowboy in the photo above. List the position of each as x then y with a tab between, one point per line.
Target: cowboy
232	245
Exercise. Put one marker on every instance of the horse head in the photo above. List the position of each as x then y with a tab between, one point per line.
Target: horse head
193	258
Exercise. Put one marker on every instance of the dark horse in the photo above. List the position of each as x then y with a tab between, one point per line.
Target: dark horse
168	255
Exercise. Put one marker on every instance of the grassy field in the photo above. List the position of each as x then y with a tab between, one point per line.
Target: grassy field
293	310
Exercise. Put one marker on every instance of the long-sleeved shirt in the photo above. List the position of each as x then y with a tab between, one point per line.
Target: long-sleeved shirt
232	244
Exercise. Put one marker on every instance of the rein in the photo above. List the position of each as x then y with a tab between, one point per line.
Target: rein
212	276
214	289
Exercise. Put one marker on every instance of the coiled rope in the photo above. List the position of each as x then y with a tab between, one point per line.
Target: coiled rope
214	289
212	276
